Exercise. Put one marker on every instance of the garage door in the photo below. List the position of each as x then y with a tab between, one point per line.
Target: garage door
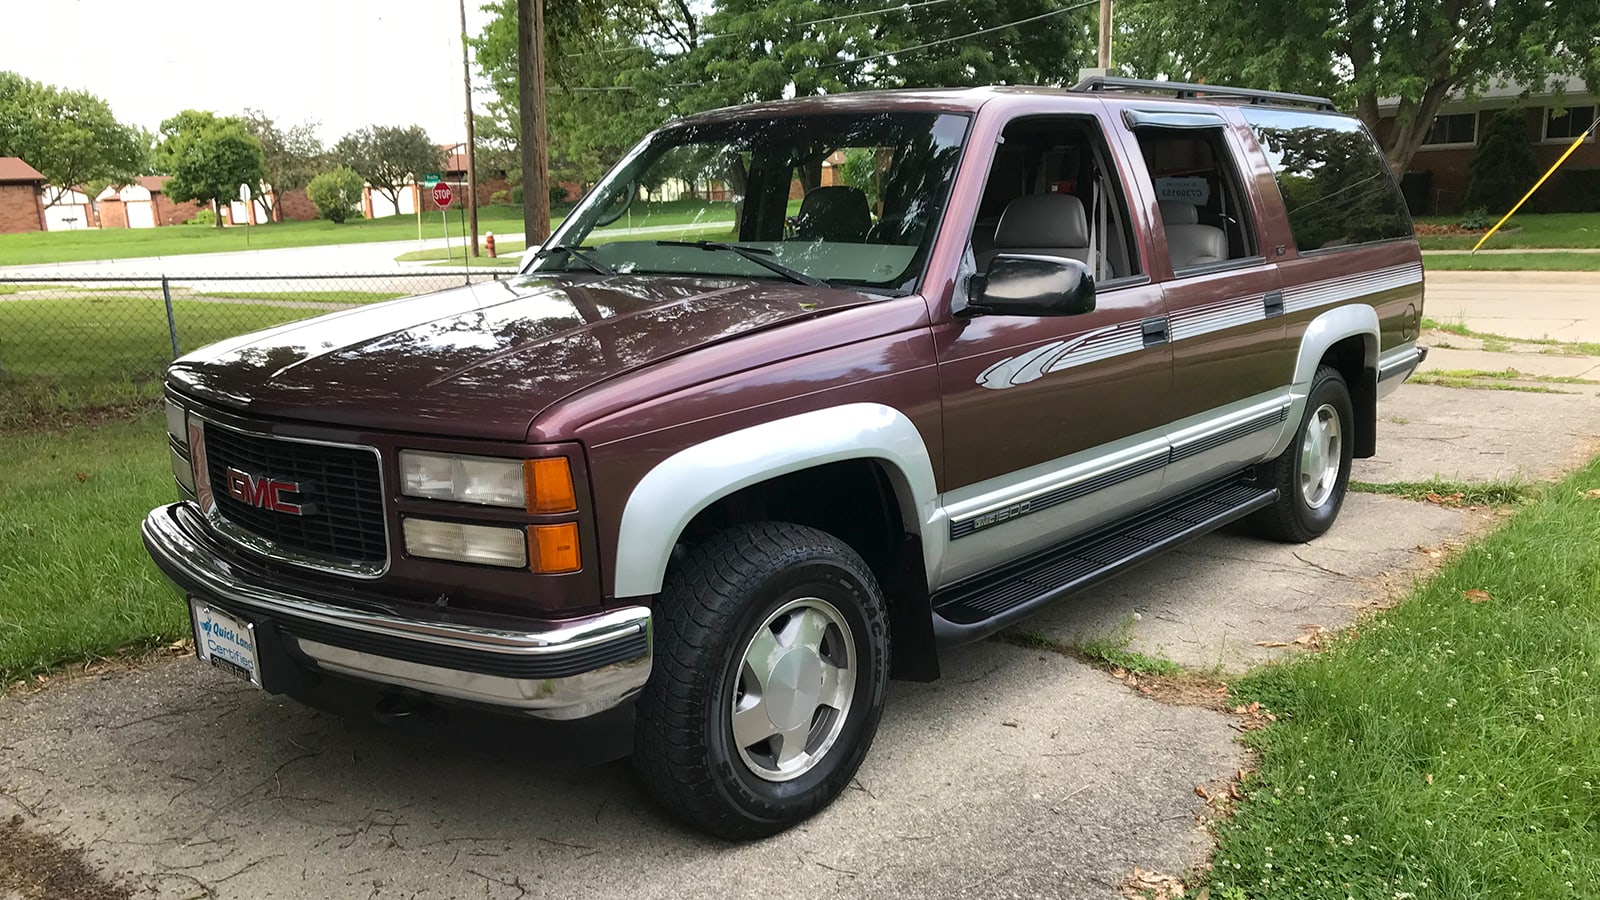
141	214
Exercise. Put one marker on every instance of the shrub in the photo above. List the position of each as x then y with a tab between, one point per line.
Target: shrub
203	217
1503	168
336	194
558	193
499	198
1476	219
516	195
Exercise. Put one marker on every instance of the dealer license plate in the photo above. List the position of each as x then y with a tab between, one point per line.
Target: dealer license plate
225	642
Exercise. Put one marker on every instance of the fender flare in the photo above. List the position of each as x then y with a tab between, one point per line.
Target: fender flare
1327	329
678	488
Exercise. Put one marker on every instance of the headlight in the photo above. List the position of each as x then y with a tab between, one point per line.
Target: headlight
177	424
463	479
485	544
536	485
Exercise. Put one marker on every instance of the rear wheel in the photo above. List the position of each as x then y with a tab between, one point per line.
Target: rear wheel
771	662
1313	473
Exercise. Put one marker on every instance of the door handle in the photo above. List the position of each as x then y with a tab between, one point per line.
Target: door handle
1155	331
1273	301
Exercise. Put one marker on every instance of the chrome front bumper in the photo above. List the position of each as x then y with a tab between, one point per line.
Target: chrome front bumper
567	670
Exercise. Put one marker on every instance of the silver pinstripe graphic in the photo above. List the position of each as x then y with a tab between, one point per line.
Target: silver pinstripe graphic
1349	287
1128	337
1199	320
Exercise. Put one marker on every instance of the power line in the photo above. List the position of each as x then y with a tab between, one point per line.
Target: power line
960	37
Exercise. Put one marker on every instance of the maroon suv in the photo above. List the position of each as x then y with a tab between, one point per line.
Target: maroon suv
919	363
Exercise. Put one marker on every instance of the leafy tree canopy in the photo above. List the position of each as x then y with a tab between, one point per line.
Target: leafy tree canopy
208	157
290	157
389	157
1358	51
71	137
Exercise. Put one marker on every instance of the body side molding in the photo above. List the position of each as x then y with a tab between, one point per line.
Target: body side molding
670	495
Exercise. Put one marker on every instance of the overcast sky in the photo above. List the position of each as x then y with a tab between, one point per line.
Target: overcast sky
343	63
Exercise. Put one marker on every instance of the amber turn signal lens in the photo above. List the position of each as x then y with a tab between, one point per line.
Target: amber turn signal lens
553	549
548	483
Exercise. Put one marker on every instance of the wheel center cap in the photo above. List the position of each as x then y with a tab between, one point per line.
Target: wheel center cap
791	694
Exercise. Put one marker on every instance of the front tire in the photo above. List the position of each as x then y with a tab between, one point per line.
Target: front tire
771	663
1313	473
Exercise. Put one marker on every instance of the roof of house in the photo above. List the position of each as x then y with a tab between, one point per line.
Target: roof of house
14	171
152	183
1505	92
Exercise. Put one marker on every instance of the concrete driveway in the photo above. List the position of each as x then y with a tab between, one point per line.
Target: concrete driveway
1024	772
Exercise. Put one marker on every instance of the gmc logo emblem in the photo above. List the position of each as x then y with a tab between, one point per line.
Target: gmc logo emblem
266	492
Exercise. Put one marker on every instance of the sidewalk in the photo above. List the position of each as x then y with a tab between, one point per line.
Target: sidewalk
1563	306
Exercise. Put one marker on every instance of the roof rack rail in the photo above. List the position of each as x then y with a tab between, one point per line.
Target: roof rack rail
1184	91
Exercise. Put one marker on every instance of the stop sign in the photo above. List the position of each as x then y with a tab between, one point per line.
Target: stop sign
441	195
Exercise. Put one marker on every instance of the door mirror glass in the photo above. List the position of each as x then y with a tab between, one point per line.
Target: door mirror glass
1026	285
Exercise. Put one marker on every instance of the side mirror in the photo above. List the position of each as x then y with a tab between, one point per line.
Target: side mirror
1018	285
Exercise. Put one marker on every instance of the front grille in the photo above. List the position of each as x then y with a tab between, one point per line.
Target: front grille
344	489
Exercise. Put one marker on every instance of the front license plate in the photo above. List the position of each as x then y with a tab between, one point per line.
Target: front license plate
225	642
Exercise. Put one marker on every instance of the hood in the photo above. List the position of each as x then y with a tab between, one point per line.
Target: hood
484	360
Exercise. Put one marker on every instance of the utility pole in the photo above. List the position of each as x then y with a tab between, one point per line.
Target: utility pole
535	152
471	200
1105	34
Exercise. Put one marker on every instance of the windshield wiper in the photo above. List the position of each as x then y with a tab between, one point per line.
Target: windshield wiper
581	254
756	255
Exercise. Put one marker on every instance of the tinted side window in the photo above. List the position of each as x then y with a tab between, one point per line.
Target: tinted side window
1335	184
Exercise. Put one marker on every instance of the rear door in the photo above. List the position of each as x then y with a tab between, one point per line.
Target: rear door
1052	425
1221	289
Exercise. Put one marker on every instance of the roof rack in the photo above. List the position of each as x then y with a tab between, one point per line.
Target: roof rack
1186	91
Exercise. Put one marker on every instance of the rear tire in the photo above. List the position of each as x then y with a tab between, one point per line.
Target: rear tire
1313	472
771	663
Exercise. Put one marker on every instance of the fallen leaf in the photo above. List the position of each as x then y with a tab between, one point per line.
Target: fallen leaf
81	476
1234	792
1592	493
1430	778
1476	595
1202	793
1272	643
1431	497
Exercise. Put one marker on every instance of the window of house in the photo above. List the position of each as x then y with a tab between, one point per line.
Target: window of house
1570	122
1458	128
1052	191
1202	203
1336	186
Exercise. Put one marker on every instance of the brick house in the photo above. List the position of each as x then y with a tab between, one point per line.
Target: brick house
21	200
143	204
1436	181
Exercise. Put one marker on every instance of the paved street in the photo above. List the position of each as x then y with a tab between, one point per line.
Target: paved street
1022	773
1533	305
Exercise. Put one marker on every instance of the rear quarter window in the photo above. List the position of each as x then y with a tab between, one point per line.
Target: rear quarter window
1336	186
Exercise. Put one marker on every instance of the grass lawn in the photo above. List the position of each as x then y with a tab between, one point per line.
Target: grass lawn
58	355
122	243
1451	746
1523	231
75	583
1512	262
310	296
505	249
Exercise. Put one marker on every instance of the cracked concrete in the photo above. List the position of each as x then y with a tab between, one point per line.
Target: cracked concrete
1021	773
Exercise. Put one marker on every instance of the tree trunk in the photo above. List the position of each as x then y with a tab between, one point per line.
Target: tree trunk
1407	136
535	150
216	213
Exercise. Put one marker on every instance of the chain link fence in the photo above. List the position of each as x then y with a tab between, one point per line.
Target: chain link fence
75	347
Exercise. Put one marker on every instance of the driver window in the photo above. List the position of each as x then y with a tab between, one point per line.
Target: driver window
1052	191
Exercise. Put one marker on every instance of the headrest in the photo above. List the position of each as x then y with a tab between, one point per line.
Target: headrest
1042	220
1176	212
835	213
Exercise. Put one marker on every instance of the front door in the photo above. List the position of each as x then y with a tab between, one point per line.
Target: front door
1052	424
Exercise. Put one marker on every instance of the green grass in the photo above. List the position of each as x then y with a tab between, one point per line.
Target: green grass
1108	652
310	296
1529	231
1438	380
1512	262
1555	347
122	243
1501	492
19	288
1452	749
59	356
75	583
1509	374
484	262
503	249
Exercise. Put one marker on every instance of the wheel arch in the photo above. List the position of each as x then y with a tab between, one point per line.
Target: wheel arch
859	471
1347	339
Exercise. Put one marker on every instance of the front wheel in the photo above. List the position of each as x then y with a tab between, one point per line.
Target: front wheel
1313	473
771	663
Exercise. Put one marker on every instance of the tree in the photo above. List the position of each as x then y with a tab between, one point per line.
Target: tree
1357	51
208	157
71	137
389	158
290	157
1503	168
336	194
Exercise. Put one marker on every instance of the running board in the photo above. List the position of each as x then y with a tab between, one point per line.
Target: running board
976	609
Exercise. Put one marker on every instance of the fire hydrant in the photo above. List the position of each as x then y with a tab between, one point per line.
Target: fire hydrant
488	244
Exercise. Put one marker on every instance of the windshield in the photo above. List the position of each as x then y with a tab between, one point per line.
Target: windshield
851	200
